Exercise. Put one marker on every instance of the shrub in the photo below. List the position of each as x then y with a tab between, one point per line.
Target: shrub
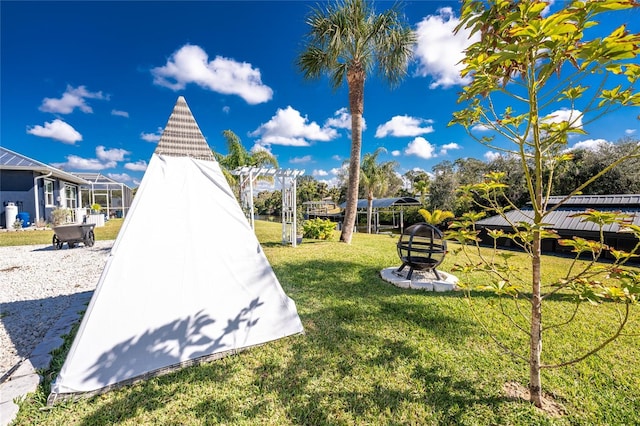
60	216
320	229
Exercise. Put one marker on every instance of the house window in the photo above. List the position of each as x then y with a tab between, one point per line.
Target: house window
71	195
48	193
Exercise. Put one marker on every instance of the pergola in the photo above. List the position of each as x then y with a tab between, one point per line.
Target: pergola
115	197
287	179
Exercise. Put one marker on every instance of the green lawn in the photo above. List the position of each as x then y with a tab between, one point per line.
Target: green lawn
374	354
28	237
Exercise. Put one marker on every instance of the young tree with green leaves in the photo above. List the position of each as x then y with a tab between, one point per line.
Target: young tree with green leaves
347	41
537	64
375	178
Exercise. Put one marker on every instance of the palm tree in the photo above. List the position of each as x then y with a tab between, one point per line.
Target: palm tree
238	156
346	42
375	179
421	187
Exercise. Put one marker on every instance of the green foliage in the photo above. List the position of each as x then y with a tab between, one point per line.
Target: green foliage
538	61
436	217
320	229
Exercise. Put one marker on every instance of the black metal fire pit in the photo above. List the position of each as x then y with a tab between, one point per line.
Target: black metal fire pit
421	247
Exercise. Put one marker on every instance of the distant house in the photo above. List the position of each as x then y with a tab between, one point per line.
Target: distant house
566	226
35	188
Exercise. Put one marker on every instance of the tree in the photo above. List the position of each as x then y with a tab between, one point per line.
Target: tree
238	156
347	41
436	217
421	187
442	193
375	179
541	63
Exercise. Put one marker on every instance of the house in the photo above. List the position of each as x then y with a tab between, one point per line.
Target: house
567	226
35	188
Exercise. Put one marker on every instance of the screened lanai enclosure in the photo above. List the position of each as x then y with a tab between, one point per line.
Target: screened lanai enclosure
114	197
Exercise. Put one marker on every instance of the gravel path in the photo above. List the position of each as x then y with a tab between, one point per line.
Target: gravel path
37	285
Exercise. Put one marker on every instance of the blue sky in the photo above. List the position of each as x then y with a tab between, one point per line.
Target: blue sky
88	86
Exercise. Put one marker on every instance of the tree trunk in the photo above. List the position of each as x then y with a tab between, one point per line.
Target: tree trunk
369	211
535	384
535	339
355	80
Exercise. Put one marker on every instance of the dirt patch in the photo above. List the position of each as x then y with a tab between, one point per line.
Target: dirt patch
549	405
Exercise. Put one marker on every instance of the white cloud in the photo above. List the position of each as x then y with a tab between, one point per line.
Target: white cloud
574	117
290	128
403	125
480	128
119	177
138	166
439	51
106	159
190	64
152	137
226	109
337	170
491	155
449	147
420	147
342	120
590	144
78	163
71	99
319	172
336	158
396	153
331	183
629	131
107	155
58	130
300	160
120	113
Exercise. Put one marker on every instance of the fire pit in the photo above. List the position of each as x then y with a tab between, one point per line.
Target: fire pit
421	247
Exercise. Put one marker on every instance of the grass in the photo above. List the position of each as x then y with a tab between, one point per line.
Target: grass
30	237
374	354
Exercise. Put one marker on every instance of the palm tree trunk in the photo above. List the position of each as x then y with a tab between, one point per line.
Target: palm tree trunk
355	80
369	211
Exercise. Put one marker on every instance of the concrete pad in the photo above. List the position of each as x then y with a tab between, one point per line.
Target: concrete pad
420	280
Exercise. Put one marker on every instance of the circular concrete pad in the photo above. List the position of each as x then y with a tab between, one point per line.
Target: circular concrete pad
420	280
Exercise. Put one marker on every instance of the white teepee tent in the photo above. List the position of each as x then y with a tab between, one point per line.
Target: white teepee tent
186	279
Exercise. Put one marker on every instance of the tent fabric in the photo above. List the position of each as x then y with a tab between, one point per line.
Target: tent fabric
185	281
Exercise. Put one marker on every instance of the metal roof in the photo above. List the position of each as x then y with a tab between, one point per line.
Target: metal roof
10	160
621	200
386	202
560	219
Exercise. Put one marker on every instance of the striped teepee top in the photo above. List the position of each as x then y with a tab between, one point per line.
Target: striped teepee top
182	136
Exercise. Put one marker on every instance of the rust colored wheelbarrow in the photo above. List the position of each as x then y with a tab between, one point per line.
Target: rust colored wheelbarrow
72	234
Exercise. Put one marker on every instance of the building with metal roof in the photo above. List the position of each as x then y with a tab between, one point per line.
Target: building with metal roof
564	222
34	189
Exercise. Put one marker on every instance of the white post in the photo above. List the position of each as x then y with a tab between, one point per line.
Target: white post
253	225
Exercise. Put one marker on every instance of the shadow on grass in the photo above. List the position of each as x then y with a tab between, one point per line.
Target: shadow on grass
355	324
